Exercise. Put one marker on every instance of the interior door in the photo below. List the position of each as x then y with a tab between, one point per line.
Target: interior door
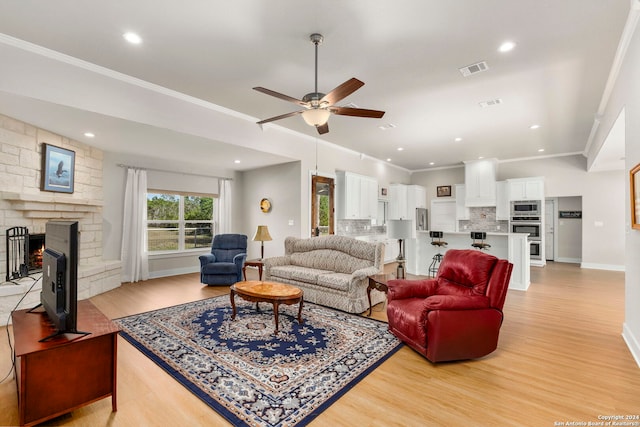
549	216
322	205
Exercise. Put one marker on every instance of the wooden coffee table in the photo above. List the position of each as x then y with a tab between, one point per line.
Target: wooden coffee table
271	292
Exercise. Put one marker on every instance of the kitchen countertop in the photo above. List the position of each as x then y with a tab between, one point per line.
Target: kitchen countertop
467	233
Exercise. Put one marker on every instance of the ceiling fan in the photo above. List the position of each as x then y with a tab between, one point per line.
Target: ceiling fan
318	106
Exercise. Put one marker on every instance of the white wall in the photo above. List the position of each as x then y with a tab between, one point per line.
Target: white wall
287	185
626	94
176	176
603	199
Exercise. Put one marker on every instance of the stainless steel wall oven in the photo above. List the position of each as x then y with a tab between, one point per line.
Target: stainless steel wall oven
533	228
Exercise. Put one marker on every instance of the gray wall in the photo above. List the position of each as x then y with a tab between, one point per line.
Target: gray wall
569	230
276	183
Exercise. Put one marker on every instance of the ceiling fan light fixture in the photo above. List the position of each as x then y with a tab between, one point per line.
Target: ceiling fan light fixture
316	116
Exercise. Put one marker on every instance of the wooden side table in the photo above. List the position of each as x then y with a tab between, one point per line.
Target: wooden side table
253	263
379	283
63	374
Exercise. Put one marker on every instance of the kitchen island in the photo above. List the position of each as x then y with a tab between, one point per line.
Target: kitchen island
511	246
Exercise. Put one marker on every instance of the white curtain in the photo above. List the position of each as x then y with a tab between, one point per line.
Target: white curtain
224	206
135	260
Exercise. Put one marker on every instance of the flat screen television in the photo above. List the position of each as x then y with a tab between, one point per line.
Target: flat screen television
59	295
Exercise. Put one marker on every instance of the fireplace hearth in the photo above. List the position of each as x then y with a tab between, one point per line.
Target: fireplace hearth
24	253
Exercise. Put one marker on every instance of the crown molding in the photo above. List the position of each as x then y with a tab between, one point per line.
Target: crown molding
616	66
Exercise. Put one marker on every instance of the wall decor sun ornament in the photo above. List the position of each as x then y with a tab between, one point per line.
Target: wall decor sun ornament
265	205
634	190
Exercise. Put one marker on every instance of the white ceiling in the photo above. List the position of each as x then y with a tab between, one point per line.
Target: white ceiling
197	56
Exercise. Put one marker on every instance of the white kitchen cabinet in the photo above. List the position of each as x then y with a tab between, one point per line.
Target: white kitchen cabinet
462	211
480	182
357	196
391	250
526	188
398	201
416	197
404	199
518	247
503	207
368	197
443	215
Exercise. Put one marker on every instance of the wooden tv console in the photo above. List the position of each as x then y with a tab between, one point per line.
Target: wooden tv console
63	374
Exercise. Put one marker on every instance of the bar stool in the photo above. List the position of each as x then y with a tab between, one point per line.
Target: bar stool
436	240
478	238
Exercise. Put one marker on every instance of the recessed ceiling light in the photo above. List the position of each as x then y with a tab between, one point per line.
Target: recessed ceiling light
480	158
89	134
533	127
400	148
540	150
388	160
431	163
506	46
132	38
458	139
236	161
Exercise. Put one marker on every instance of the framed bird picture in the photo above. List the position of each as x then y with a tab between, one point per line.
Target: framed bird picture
58	167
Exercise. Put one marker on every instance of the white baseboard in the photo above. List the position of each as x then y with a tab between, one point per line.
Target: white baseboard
569	260
173	272
632	343
612	267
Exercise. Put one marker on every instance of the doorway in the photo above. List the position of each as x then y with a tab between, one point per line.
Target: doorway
549	229
322	205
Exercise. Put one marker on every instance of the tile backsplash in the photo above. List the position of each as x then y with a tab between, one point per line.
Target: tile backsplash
358	227
484	219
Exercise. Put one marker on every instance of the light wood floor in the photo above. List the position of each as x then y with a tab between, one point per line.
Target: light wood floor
560	358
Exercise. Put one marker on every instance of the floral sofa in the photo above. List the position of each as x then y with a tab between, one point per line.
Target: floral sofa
331	270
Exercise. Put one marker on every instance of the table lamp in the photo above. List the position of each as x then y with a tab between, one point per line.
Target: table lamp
262	235
399	229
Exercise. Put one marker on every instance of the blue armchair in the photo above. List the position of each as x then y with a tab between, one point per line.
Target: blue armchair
223	266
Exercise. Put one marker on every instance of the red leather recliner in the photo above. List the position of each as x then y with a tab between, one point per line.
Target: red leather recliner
458	314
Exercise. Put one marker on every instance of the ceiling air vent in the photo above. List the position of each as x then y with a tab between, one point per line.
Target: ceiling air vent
478	67
490	103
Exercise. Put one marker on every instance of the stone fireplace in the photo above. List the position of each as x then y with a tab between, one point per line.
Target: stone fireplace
23	204
23	253
34	252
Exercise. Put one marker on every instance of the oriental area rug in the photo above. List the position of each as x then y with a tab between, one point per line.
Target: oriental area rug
251	376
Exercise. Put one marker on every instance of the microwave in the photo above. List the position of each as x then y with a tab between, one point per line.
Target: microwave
532	228
525	208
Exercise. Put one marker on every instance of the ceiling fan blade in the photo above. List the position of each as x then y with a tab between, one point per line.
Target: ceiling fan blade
342	91
322	129
281	96
357	112
283	116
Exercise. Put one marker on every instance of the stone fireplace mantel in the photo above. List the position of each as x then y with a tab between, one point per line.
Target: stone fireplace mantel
51	206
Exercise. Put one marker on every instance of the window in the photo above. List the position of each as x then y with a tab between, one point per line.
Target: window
179	222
